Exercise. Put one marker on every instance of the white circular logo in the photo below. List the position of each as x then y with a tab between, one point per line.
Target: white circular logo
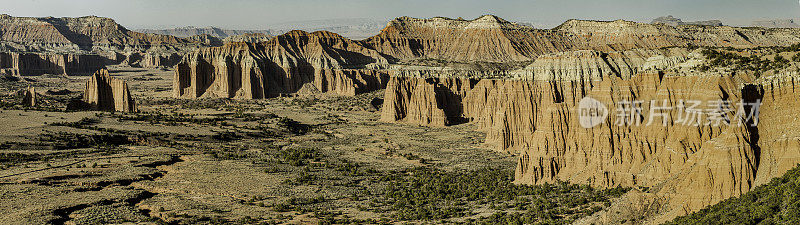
591	112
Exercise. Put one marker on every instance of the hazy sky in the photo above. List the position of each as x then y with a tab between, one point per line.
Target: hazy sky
259	14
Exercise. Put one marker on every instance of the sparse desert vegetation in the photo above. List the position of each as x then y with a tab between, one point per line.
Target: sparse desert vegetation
319	159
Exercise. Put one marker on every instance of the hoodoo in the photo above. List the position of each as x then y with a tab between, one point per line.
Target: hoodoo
105	93
29	98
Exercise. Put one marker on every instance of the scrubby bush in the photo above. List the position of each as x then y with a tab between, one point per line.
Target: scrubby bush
777	202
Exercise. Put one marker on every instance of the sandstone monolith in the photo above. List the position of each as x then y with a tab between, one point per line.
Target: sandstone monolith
29	98
105	93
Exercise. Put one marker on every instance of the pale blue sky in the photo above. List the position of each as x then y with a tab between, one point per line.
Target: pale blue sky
258	14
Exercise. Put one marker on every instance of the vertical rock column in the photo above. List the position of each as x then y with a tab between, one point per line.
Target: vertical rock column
105	93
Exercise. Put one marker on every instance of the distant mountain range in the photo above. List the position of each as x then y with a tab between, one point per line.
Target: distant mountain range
356	28
193	31
776	23
672	21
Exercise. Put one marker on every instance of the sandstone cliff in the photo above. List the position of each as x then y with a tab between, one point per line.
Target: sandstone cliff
282	65
533	112
84	45
25	64
425	101
83	32
152	60
489	38
106	93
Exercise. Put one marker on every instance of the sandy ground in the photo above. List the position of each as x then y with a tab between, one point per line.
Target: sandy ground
223	165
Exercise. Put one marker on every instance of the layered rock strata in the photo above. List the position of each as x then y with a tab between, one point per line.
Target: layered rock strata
32	64
152	60
281	66
689	166
685	163
84	45
489	38
78	33
105	93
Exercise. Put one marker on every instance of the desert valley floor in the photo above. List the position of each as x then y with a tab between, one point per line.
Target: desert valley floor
278	160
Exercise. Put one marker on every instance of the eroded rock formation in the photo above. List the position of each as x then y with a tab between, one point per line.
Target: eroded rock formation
522	86
689	166
29	97
281	66
35	46
533	112
105	93
489	38
83	32
27	64
152	60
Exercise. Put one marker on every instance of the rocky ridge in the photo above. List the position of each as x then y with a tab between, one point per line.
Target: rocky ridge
672	21
190	31
489	38
281	66
56	43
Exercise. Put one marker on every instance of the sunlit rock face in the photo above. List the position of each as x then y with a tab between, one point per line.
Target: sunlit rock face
533	110
105	93
523	87
81	46
333	64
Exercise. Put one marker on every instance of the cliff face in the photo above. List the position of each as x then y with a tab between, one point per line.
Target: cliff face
152	60
281	66
425	101
106	93
534	112
689	166
492	39
31	64
84	45
83	32
465	93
